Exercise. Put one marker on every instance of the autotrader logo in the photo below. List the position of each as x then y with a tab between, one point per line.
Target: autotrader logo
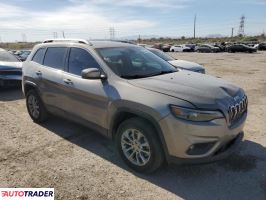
27	193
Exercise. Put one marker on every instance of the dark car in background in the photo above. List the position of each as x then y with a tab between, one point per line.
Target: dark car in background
191	46
222	47
10	69
206	48
163	47
240	48
261	46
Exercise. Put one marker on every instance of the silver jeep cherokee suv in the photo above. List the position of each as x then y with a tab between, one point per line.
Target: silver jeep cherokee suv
153	111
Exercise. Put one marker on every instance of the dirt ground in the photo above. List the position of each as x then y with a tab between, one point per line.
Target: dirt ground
80	164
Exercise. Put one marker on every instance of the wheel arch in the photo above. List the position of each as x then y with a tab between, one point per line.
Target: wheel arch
123	114
28	85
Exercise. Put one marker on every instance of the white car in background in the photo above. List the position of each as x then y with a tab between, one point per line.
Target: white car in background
180	48
180	64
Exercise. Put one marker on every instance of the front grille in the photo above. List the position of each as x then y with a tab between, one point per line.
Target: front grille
236	111
10	72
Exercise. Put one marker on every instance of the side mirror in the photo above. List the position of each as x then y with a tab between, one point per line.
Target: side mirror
92	73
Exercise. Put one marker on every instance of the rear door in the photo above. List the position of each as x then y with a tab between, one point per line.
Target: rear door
85	99
51	76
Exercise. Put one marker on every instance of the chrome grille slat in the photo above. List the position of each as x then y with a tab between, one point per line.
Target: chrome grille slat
237	110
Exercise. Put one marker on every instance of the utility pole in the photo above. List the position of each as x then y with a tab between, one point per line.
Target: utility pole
63	33
232	35
195	19
24	37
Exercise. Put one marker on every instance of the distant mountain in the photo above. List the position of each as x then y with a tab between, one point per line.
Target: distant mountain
215	36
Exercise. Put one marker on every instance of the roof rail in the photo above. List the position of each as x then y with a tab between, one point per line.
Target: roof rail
82	41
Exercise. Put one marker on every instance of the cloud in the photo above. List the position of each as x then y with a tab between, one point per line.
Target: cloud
159	4
75	20
7	11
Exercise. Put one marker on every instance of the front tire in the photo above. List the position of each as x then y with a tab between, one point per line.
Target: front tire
138	145
36	107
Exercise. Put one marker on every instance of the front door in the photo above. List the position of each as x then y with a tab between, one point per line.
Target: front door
85	99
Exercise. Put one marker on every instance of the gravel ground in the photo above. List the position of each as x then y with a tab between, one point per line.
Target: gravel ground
80	164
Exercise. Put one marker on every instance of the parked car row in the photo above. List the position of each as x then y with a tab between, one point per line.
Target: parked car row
209	48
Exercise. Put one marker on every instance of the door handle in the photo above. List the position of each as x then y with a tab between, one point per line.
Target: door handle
68	81
38	73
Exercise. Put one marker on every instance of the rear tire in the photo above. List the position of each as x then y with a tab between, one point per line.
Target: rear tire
35	107
138	145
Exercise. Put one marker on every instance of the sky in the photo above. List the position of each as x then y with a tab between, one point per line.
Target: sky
37	20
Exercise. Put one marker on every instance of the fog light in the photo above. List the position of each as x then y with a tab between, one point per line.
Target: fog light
200	148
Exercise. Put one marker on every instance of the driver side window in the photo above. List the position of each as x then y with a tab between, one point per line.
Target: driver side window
80	59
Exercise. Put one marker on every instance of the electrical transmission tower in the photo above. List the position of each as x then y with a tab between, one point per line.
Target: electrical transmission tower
55	34
112	33
241	30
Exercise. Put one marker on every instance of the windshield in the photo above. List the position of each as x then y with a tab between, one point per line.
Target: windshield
161	54
134	62
25	54
7	57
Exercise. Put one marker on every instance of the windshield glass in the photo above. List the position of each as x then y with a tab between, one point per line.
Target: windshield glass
161	54
134	62
7	57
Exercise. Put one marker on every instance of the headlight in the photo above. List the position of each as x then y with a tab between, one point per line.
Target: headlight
195	115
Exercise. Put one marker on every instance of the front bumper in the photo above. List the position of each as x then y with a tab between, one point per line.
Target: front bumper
10	80
181	136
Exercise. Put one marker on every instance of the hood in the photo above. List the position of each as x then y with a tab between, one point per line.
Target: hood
10	65
203	91
186	65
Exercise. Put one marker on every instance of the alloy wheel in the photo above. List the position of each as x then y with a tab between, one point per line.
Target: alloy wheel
34	107
135	147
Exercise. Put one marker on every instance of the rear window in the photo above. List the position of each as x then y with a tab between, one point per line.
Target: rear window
55	57
8	57
38	57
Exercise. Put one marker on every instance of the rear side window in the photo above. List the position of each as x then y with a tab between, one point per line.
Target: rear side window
38	57
80	59
55	57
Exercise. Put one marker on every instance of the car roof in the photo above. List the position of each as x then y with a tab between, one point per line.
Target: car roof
104	44
92	43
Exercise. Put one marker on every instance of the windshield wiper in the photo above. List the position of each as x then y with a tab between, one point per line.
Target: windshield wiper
135	76
163	72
